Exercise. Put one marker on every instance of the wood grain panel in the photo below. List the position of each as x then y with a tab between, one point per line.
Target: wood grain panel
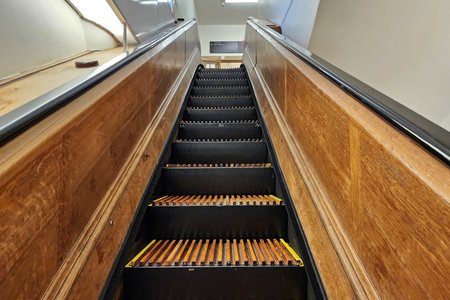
250	42
323	131
87	285
272	66
30	216
99	148
382	199
57	175
191	41
406	228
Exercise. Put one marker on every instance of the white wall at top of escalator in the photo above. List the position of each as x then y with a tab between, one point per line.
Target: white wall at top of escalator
296	17
185	9
209	33
39	32
401	48
219	22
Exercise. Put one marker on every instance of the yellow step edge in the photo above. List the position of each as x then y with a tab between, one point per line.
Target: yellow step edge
292	252
157	200
275	198
133	261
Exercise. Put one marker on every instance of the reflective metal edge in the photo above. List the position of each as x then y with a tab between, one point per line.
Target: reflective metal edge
428	134
24	116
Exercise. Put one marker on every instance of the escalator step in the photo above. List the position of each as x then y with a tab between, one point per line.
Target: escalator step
221	107
183	122
220	113
202	101
221	165
221	82
220	91
219	151
216	252
217	200
221	70
217	140
220	75
220	130
189	180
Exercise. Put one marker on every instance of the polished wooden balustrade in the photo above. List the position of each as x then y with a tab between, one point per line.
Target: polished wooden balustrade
374	205
71	183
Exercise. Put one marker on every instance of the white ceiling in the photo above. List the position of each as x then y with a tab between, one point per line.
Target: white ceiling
211	12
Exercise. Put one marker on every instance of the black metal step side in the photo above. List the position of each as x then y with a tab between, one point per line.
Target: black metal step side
218	152
211	181
207	114
215	283
221	82
219	101
221	91
209	222
219	131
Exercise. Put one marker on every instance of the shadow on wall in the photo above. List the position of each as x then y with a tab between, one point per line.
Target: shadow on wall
296	17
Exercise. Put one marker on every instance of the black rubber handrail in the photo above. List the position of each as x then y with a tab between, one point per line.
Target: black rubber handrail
26	115
428	134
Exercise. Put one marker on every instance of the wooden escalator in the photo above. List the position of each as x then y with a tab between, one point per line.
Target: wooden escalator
215	224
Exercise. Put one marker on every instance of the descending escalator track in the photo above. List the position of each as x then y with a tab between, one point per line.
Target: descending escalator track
216	225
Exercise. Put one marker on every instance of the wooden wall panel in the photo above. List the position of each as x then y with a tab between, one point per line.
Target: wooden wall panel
192	41
272	66
29	216
59	175
383	200
323	131
250	43
406	228
98	265
98	148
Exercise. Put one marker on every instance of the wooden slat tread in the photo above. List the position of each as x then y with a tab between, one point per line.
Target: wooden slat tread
217	252
218	200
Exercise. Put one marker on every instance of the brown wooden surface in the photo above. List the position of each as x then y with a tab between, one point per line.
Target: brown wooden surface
374	205
71	183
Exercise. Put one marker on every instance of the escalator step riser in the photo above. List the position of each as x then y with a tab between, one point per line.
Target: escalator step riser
220	114
218	140
221	165
217	252
221	82
211	221
220	91
233	75
224	70
219	152
206	282
219	131
222	102
195	181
